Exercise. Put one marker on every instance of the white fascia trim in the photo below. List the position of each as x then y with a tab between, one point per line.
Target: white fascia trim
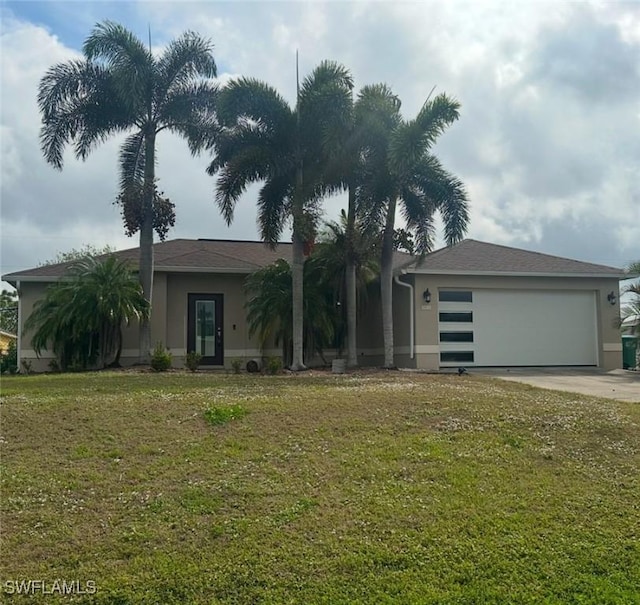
618	276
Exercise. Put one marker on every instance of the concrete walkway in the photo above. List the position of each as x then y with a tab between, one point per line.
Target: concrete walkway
623	385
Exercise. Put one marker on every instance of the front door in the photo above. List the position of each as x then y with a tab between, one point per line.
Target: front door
204	332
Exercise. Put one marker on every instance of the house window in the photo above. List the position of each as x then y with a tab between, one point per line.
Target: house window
456	336
456	316
456	356
455	296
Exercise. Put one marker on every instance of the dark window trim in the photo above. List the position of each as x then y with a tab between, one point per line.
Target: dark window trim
468	315
456	357
464	296
455	336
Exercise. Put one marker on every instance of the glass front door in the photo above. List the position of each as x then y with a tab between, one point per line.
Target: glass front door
204	334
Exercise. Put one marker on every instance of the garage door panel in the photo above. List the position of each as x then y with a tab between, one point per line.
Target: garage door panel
515	327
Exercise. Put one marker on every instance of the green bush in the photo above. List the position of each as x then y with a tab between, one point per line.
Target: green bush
193	361
236	365
274	365
161	358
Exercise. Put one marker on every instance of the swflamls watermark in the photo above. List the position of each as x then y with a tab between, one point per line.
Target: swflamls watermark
49	587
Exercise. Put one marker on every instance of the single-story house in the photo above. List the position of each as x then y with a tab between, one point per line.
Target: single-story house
6	338
471	304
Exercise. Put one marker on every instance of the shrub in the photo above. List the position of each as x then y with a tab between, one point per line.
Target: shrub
236	365
193	361
274	365
26	366
161	358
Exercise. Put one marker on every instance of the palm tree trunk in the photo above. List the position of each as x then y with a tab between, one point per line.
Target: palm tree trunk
350	279
116	360
146	245
386	285
297	272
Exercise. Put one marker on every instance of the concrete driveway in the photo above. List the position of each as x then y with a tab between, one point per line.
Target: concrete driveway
623	385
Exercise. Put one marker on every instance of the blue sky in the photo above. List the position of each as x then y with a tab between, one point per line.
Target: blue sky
548	143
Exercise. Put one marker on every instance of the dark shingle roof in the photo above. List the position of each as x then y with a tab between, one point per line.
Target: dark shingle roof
187	255
230	256
233	256
474	257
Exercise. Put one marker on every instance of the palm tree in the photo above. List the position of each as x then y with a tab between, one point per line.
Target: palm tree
106	296
80	318
269	305
120	86
264	140
347	253
358	135
404	173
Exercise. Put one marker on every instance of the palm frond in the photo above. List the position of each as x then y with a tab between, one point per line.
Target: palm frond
418	212
412	139
132	154
78	104
326	73
190	111
249	165
129	61
435	115
448	195
326	111
248	99
274	207
186	60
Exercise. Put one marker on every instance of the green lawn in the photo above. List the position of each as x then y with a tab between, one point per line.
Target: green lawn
373	488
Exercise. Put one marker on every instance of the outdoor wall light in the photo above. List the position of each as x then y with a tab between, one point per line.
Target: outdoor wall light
611	297
426	295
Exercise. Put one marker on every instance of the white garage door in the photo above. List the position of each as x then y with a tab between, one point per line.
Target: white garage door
519	328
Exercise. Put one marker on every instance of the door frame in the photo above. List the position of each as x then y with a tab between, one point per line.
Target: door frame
218	358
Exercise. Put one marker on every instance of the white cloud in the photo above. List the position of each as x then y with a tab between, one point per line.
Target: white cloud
548	142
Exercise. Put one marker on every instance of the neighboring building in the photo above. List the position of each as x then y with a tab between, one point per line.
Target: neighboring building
472	304
6	338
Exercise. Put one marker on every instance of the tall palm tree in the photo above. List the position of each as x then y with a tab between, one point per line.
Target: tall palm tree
120	86
264	140
404	173
358	136
80	318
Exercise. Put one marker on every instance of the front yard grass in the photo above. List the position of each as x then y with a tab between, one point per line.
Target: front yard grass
375	488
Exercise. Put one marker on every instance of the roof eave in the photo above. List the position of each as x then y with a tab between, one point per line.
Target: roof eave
230	270
14	279
425	271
